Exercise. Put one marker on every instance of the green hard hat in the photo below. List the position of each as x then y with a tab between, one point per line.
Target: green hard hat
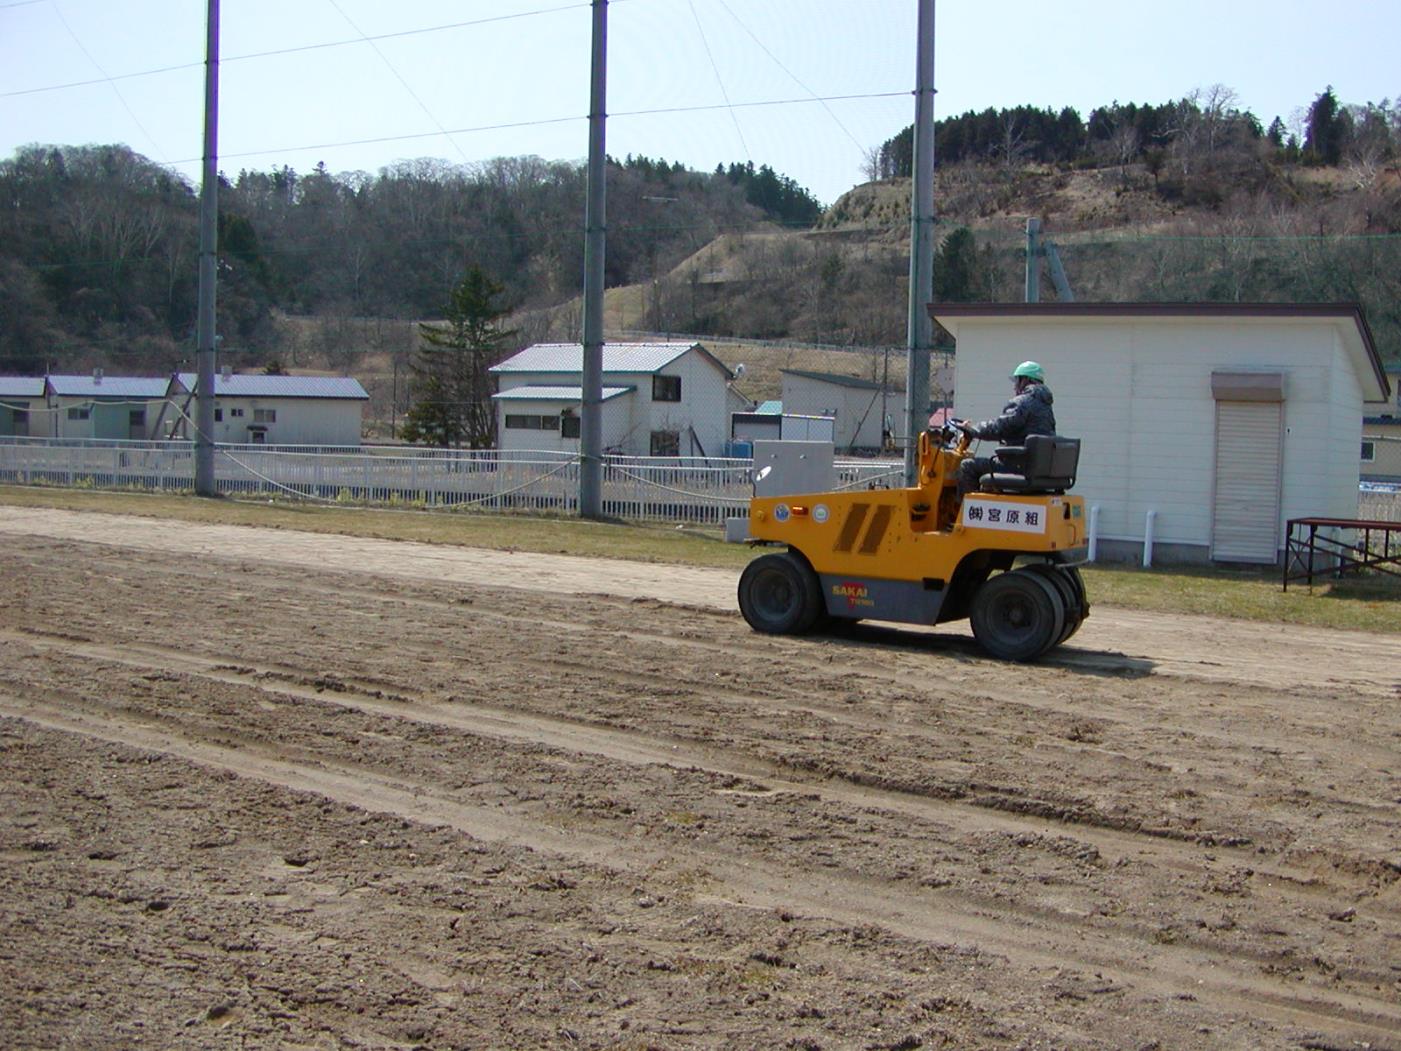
1030	370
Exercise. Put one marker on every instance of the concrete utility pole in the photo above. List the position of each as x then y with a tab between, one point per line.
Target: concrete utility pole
208	258
1033	260
1036	250
595	240
921	326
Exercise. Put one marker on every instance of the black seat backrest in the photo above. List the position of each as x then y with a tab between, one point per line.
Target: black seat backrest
1049	466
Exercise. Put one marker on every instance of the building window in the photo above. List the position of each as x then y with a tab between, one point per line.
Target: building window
666	388
666	443
1369	452
235	412
78	414
218	415
257	436
569	426
518	422
264	415
136	418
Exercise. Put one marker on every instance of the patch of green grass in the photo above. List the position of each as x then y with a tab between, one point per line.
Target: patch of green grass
1371	603
1367	603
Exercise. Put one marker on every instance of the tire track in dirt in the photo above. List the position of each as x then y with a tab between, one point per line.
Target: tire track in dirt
1042	940
633	746
979	805
979	692
1292	887
1270	655
664	711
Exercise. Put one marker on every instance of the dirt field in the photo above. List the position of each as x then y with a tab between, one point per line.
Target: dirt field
304	791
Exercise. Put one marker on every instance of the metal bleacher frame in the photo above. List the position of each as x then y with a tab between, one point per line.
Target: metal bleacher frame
1309	554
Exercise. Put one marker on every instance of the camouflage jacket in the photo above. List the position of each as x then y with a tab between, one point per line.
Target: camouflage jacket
1028	413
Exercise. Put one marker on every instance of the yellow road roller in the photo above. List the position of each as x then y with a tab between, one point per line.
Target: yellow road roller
1004	556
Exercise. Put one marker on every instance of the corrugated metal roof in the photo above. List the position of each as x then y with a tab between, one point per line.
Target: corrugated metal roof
257	385
829	377
572	394
21	386
617	357
109	386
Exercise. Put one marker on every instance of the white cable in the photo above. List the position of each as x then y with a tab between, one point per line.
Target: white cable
682	492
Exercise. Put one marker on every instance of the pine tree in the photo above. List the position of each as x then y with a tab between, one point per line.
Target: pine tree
1323	141
961	273
452	382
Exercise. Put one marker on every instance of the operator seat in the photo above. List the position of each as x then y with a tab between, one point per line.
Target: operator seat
1046	464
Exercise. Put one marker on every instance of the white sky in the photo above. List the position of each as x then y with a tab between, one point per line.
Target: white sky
301	107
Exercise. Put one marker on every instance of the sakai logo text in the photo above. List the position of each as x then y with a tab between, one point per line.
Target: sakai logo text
854	593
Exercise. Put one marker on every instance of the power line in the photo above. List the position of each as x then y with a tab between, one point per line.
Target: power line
98	66
389	138
734	118
551	120
791	76
275	52
412	94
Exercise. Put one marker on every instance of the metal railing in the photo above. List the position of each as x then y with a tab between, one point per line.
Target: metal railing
688	489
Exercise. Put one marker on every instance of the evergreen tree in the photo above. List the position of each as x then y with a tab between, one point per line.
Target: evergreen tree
452	385
961	273
1323	141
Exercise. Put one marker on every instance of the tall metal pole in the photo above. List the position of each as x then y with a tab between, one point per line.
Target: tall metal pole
921	326
208	255
591	414
1033	260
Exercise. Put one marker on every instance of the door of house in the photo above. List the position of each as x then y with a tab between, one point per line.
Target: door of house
1245	510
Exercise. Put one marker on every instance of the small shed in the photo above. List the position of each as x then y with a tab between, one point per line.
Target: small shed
121	408
271	410
858	407
661	399
1206	426
22	408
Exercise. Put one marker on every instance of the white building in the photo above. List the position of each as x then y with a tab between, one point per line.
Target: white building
123	408
1204	426
660	399
1381	437
23	411
857	407
270	410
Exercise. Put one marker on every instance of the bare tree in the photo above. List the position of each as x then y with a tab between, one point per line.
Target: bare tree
1012	148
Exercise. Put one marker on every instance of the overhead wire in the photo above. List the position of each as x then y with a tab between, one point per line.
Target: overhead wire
275	52
399	77
98	66
660	111
774	58
734	117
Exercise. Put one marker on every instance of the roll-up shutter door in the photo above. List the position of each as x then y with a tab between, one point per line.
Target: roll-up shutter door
1245	515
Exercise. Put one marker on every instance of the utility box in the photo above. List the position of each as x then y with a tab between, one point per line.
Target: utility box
783	467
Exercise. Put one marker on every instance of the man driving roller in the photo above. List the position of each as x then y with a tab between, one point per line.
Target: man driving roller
1029	412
